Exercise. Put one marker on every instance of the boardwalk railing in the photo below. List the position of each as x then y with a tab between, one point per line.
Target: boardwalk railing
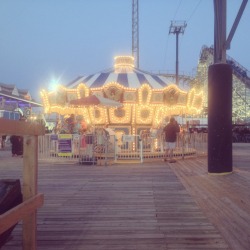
102	149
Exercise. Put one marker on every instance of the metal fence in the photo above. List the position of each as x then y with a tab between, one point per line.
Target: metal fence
85	149
103	149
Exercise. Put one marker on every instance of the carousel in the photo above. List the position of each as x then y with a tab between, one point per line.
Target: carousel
141	100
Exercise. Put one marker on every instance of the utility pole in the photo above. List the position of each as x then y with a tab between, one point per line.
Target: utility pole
176	28
135	31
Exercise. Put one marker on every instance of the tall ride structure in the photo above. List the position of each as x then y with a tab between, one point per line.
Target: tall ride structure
177	27
135	31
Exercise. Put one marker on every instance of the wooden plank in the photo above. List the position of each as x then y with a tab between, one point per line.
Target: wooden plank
14	215
224	199
12	127
139	206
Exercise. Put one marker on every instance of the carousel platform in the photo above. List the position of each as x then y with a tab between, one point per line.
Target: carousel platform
97	158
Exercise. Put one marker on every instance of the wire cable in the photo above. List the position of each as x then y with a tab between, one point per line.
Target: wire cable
193	12
177	9
165	54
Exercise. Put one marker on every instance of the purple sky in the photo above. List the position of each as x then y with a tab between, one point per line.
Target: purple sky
42	40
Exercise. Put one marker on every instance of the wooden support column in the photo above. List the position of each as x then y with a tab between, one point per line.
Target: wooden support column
30	159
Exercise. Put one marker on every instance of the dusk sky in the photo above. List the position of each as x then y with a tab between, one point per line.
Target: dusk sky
46	40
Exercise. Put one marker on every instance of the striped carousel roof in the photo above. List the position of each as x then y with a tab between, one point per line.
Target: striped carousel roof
123	73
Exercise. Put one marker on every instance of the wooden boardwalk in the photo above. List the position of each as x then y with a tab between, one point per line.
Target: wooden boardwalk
150	206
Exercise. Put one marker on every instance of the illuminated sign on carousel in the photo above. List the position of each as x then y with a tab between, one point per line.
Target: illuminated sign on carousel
146	98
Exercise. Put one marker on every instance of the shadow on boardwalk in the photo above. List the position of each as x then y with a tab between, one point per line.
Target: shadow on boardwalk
140	206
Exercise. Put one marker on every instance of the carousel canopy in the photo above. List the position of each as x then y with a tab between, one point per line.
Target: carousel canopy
146	98
123	73
95	100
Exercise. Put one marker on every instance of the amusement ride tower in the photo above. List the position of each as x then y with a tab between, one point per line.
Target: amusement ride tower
135	32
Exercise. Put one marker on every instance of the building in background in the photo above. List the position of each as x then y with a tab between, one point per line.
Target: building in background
16	102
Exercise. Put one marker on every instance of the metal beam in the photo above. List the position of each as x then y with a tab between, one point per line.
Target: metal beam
235	24
220	18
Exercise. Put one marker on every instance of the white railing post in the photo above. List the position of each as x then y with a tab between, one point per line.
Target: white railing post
106	139
141	149
183	145
115	148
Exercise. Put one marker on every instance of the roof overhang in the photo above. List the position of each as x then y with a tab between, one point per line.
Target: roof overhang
34	104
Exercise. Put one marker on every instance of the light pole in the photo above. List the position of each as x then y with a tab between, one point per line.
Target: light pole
177	27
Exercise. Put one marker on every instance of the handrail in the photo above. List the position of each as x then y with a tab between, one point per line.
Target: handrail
14	215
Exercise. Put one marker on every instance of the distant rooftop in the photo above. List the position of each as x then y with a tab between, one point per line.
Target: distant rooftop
11	92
